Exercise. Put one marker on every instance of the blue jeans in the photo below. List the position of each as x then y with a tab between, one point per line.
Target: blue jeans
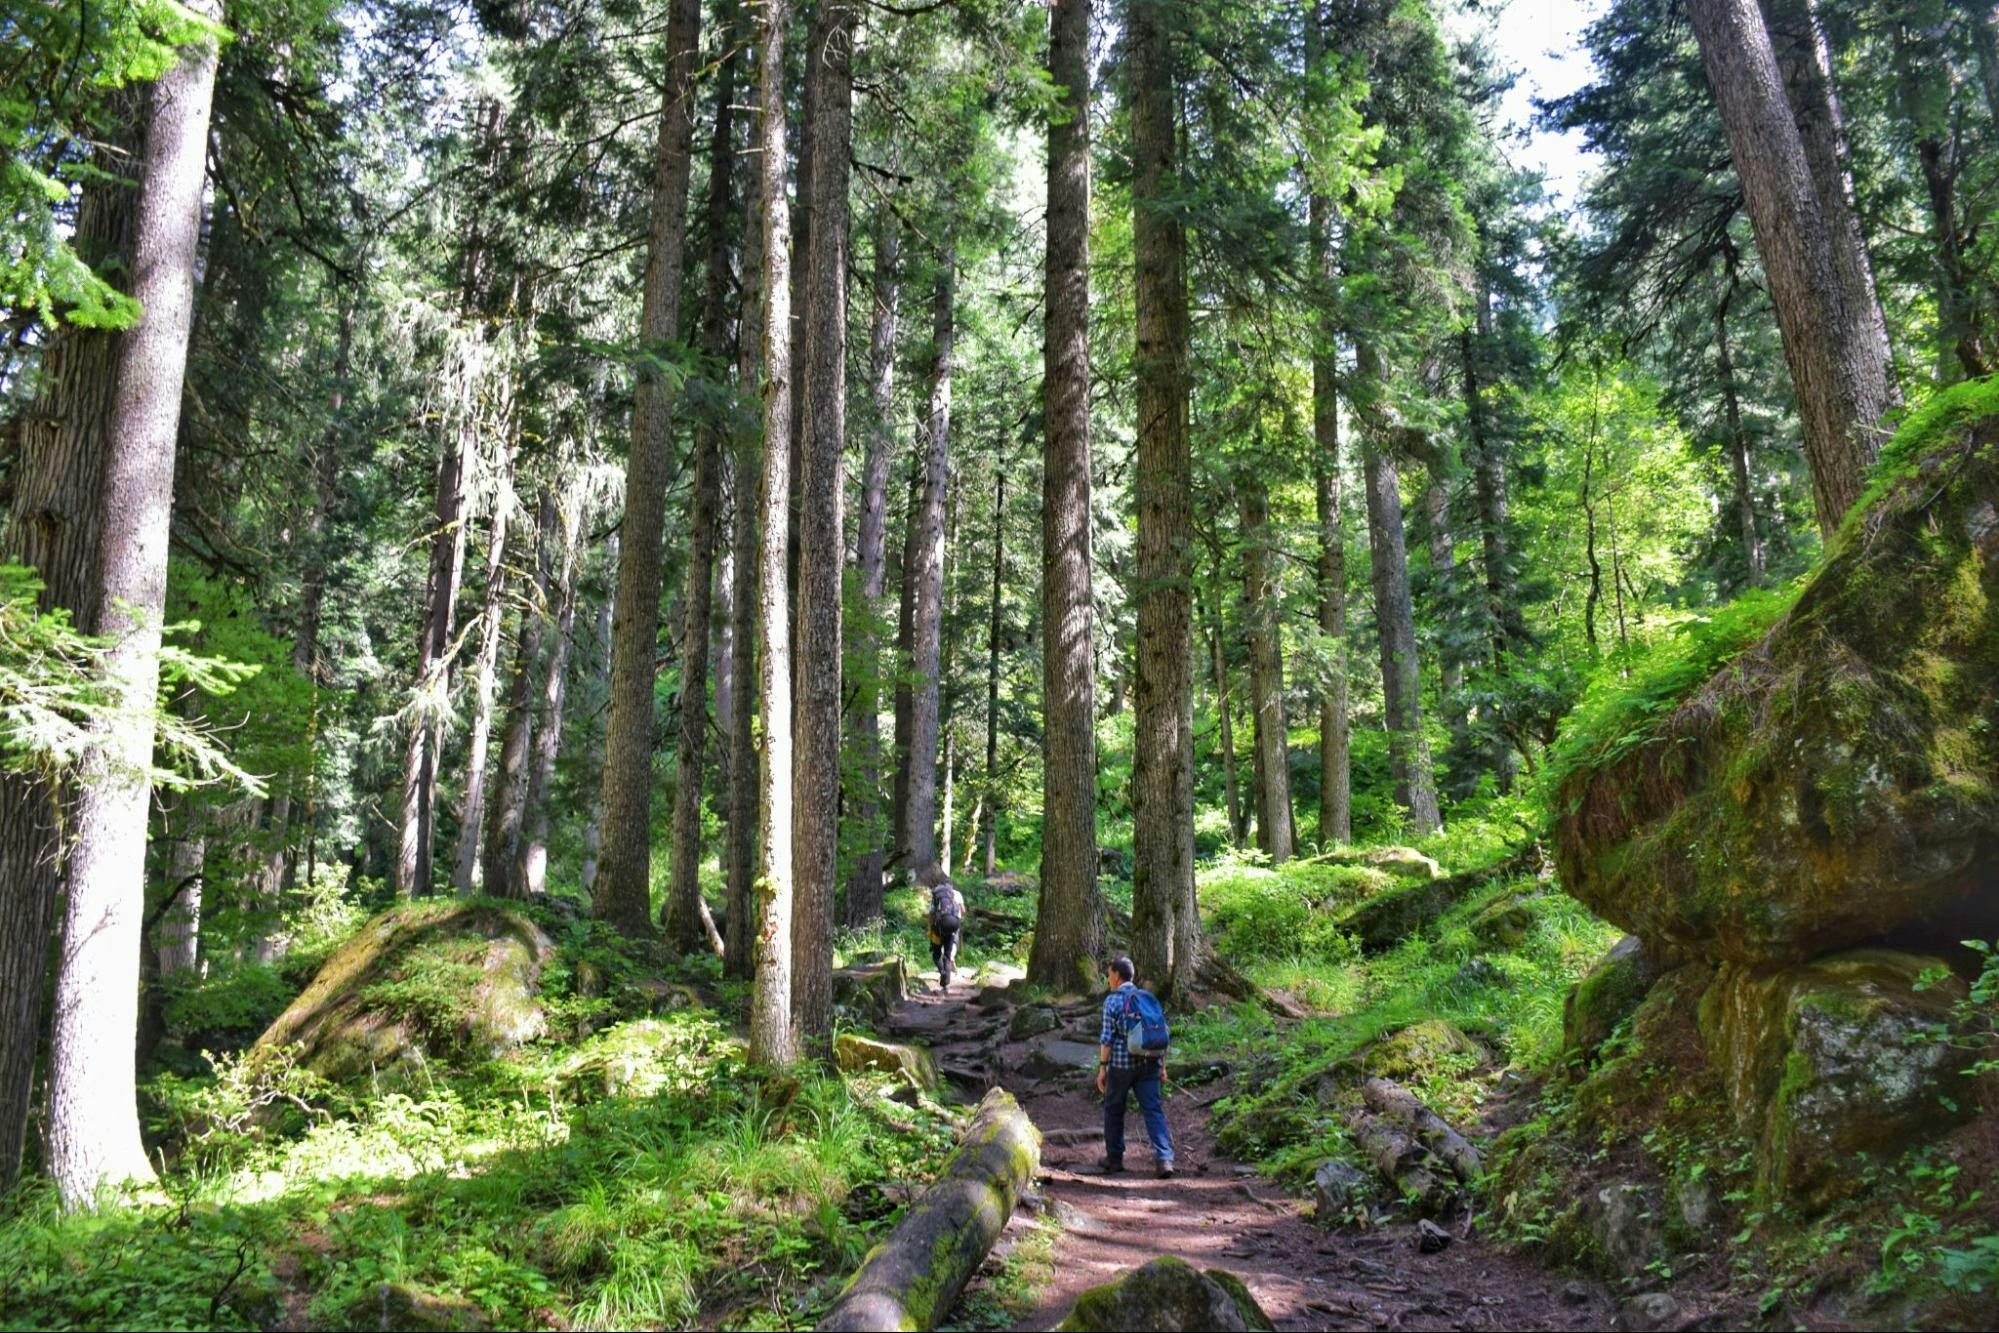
1144	1081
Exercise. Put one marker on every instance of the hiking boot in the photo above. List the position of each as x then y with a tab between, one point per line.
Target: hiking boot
1110	1166
1166	1171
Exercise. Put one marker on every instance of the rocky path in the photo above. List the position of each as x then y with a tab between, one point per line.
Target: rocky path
1215	1213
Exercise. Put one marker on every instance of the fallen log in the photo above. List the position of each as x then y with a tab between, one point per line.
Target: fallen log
1386	1097
1405	1164
912	1279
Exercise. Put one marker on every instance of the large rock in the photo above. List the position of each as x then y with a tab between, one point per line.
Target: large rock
1423	1049
1402	862
1834	782
1168	1295
854	1053
1607	995
871	989
1827	1061
424	982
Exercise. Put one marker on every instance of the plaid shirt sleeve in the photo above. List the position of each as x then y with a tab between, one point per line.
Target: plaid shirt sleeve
1113	1034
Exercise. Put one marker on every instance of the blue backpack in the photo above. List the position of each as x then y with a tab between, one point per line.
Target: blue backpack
1145	1030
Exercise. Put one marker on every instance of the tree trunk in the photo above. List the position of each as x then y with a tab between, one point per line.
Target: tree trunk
913	1278
821	548
622	893
510	783
989	797
1274	831
1166	929
529	875
1509	630
926	574
1401	678
93	1116
1069	922
492	616
1335	737
1225	722
688	923
864	887
740	872
905	648
433	664
1738	441
177	939
55	527
591	839
1840	376
771	1038
1805	65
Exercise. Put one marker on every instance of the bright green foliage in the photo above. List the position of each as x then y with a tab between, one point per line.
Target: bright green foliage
67	64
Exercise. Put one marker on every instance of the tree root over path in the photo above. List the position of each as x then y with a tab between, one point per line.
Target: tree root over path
1215	1213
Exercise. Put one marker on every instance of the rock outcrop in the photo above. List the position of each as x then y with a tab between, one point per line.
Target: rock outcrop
1836	783
438	980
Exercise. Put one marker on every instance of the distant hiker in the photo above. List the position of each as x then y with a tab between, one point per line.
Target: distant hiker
1131	1058
947	922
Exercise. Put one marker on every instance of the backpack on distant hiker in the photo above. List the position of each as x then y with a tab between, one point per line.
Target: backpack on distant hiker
947	912
1145	1030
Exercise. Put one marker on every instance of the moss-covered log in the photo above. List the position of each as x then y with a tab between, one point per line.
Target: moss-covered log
1825	775
1391	1100
912	1279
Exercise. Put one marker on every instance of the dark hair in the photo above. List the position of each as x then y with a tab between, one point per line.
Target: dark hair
1122	966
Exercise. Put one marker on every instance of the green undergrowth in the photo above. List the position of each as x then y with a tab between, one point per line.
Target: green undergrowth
1494	968
630	1170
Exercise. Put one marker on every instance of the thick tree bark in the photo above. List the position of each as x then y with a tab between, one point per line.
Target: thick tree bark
1069	929
1401	678
491	619
93	1117
864	886
55	526
622	893
1274	830
1840	376
771	1038
1805	64
821	548
1166	927
688	923
913	1278
926	575
529	875
510	782
740	872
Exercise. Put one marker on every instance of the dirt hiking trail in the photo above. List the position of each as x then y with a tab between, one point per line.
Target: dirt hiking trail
1215	1213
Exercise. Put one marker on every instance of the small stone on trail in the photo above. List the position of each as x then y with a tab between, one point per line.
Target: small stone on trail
1649	1312
1575	1294
1430	1238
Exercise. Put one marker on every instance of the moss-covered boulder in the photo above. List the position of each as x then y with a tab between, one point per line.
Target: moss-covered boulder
1767	797
1168	1294
1607	995
870	989
1829	1061
1504	924
1423	1050
440	980
401	1307
854	1053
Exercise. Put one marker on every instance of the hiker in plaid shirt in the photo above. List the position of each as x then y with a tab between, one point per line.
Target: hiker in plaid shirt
1120	1075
